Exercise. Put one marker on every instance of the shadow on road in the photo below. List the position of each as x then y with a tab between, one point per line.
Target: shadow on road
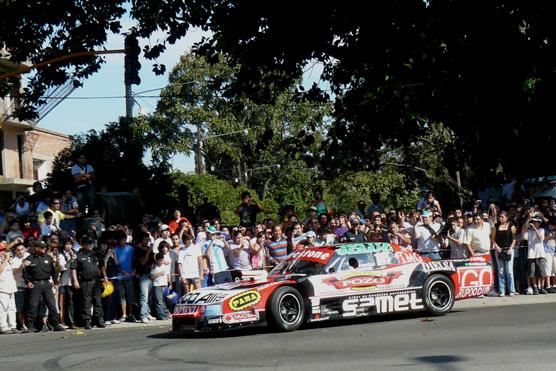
248	331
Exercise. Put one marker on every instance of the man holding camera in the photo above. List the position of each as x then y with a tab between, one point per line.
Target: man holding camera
8	288
248	210
427	237
214	251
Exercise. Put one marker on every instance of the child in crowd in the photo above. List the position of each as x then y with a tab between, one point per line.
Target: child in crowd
161	279
49	227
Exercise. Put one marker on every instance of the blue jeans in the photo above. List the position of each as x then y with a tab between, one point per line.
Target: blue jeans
505	270
161	311
145	286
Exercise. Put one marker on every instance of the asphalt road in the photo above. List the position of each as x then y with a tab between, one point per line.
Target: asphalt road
512	337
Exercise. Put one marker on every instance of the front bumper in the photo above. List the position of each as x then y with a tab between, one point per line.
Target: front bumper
230	321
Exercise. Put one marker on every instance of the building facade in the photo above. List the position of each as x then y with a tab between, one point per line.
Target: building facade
26	151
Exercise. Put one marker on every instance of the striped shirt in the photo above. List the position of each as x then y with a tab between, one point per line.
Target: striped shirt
278	250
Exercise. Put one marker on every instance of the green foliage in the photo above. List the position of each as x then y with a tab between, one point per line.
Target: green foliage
343	192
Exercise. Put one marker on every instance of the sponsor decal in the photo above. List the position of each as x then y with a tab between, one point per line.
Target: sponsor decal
474	281
362	281
240	317
267	285
363	248
214	321
203	298
244	300
317	255
185	309
383	303
406	257
438	265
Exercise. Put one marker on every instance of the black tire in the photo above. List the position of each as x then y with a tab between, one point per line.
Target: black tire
286	309
438	295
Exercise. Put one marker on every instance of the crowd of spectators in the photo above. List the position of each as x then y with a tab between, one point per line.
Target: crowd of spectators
141	263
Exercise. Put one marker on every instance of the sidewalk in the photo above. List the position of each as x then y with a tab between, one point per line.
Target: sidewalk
489	301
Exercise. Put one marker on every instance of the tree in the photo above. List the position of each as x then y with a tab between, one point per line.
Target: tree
117	155
270	141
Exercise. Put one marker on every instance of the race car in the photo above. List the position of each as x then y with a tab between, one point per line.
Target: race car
335	282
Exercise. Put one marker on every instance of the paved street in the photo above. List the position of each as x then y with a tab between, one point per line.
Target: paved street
478	334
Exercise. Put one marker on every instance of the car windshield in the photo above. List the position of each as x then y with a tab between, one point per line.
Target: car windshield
297	266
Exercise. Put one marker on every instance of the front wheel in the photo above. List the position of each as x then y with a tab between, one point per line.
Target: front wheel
286	308
438	295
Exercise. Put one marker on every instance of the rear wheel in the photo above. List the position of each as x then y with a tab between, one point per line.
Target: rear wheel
438	295
286	309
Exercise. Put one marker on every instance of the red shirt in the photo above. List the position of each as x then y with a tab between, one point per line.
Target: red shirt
174	225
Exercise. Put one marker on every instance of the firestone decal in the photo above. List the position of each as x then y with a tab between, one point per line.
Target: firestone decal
363	248
441	265
316	255
244	300
383	303
362	281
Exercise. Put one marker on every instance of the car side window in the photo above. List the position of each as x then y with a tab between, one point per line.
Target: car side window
358	262
384	258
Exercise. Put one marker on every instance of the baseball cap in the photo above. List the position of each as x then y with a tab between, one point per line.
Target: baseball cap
536	219
164	227
311	234
312	208
426	213
362	221
40	244
212	230
355	221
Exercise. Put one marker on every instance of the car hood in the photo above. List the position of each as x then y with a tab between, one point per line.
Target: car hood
219	293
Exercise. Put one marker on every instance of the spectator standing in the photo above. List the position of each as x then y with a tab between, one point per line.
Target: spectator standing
426	235
69	206
360	211
160	281
14	233
85	271
177	220
536	256
257	253
144	259
190	263
84	177
39	270
399	236
455	236
319	203
550	252
375	206
21	206
248	210
22	290
28	231
356	232
213	250
66	290
164	230
125	255
55	210
478	236
504	243
8	288
277	247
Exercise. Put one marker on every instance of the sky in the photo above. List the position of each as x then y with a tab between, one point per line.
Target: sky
74	116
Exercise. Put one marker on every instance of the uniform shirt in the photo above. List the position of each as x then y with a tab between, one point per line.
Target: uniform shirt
7	281
40	268
86	265
17	262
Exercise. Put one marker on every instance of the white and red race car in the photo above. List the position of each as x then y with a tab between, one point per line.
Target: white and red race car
333	282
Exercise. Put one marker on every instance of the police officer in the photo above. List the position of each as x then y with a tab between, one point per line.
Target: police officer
85	274
38	270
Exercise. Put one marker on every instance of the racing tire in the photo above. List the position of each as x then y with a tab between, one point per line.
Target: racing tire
286	309
438	295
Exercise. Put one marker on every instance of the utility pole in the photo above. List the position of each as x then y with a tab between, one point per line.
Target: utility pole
199	161
131	71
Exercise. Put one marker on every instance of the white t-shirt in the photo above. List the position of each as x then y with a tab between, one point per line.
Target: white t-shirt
425	243
161	280
7	281
66	271
478	238
188	257
16	263
158	241
535	246
174	258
